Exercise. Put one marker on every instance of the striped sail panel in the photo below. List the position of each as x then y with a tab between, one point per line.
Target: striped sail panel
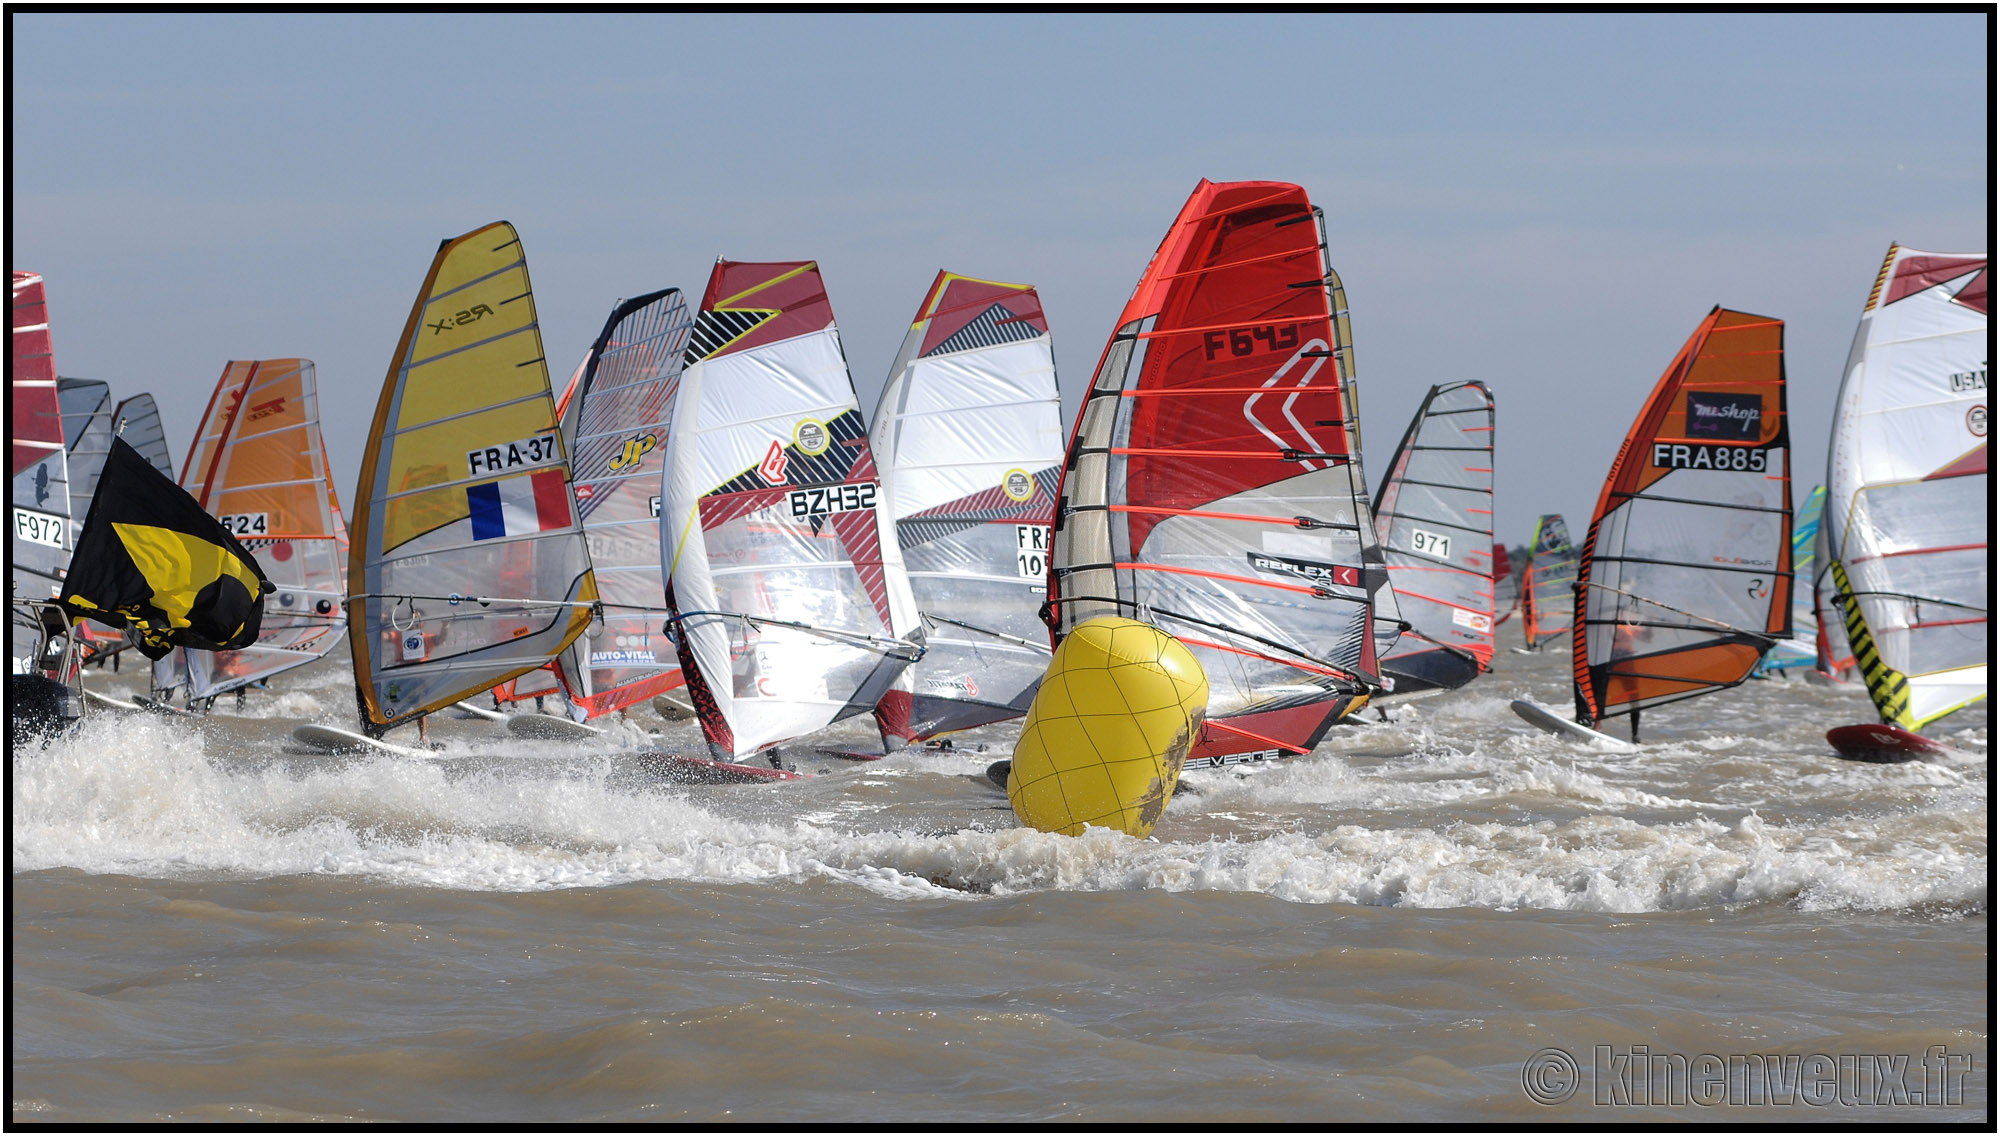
616	426
969	431
137	420
787	586
1686	574
1548	597
1907	490
39	501
1435	517
1209	483
259	466
1801	650
469	565
35	414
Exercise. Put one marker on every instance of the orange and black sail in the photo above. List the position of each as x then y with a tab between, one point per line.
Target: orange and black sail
1686	574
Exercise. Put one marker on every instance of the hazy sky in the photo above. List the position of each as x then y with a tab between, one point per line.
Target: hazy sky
1548	203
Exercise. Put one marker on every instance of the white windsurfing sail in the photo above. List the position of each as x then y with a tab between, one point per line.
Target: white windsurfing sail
788	588
259	466
469	565
969	434
618	418
39	498
1907	504
1435	517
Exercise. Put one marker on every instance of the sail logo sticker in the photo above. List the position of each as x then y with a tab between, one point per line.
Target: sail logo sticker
1031	551
1965	381
240	525
1018	485
518	506
1311	571
951	686
1311	450
1480	623
38	528
470	315
266	409
524	454
1712	414
772	469
635	448
1674	455
812	437
622	658
824	499
1975	420
1243	340
1437	546
413	649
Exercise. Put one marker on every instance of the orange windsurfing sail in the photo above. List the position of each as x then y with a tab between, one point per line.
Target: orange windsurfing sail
1686	574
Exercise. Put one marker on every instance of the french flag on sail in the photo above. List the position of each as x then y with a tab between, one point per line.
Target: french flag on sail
518	506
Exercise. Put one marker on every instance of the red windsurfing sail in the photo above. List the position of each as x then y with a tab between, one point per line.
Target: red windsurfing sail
1686	574
1208	485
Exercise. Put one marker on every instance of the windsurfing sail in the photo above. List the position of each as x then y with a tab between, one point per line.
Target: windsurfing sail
468	563
1801	650
88	427
259	466
1907	492
1506	585
619	413
1686	574
87	432
1435	517
137	420
1548	600
40	499
969	434
788	589
1208	484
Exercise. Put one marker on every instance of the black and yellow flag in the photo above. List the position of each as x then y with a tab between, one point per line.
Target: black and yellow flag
151	558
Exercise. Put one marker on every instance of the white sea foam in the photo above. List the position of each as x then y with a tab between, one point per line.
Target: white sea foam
146	796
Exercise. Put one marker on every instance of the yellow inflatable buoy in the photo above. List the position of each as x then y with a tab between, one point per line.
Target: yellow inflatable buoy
1105	737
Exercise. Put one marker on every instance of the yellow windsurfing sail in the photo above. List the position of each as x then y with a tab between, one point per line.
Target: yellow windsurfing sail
468	562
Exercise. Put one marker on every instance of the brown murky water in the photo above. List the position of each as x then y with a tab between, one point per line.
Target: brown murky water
206	928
